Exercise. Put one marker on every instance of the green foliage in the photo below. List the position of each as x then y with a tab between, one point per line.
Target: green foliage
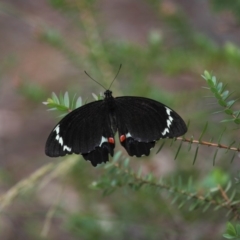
88	227
232	232
32	90
63	103
65	6
222	95
119	174
233	6
141	195
215	191
53	37
215	177
232	52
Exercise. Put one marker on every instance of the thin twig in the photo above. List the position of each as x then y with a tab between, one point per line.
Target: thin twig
209	144
226	204
224	194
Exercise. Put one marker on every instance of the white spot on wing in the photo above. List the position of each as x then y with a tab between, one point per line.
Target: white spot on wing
65	147
128	135
168	123
57	129
103	140
165	131
60	139
168	111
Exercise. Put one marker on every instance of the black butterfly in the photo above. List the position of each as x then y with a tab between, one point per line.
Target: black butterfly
90	129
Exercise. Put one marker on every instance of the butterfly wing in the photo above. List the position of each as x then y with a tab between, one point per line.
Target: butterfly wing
86	131
142	121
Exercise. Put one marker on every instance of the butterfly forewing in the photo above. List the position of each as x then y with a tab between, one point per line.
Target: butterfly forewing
148	120
143	121
83	131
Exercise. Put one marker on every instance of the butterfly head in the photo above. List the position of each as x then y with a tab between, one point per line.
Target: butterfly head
108	94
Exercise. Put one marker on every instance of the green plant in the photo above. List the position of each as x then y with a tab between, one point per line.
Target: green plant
138	198
232	232
218	189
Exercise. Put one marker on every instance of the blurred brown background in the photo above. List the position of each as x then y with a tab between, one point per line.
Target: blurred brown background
34	62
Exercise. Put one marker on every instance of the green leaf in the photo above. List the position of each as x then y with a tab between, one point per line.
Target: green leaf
214	90
235	202
78	102
214	157
214	80
181	204
174	199
55	98
230	103
225	94
238	229
126	163
66	99
180	145
236	112
228	111
207	75
211	84
237	121
149	177
95	96
204	130
220	137
160	148
206	207
227	120
189	184
221	102
61	100
226	235
195	156
52	109
228	186
72	102
219	87
190	146
194	206
231	230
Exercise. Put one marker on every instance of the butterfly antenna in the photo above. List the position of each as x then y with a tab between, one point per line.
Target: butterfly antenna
95	80
116	75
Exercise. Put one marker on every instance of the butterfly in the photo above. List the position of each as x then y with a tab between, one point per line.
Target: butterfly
90	130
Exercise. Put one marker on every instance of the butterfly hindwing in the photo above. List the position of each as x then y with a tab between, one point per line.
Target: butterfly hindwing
85	131
142	121
136	148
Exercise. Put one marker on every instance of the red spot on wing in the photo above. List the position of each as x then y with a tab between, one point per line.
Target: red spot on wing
111	140
122	138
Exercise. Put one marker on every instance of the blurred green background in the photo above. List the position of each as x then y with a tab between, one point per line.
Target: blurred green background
164	47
